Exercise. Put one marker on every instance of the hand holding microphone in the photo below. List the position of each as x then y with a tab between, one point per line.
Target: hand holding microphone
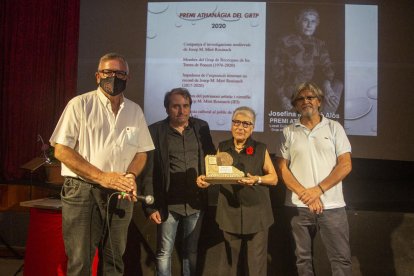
147	199
132	195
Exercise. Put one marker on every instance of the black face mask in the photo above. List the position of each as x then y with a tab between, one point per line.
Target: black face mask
113	85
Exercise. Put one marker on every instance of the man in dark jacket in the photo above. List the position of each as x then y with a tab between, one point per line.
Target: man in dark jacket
181	142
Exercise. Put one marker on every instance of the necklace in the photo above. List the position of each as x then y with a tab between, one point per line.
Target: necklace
238	148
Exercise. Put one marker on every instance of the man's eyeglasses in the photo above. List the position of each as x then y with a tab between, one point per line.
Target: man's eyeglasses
110	73
308	98
245	124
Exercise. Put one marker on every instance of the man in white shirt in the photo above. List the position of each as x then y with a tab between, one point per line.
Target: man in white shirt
101	139
313	158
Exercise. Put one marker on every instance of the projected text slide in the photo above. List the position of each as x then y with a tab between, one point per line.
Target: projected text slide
214	49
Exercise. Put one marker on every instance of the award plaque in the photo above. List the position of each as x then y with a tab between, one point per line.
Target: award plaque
219	169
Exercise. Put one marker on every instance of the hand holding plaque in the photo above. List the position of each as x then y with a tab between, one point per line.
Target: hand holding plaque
219	169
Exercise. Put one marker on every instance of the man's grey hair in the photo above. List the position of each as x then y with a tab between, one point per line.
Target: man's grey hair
112	56
307	86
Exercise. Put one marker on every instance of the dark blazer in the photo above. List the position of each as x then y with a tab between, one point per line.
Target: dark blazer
155	177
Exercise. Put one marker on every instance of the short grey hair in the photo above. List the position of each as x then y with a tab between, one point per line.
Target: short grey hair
245	110
112	56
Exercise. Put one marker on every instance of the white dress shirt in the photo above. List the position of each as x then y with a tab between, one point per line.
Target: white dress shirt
106	140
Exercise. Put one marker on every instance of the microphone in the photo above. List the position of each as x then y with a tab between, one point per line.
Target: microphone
148	199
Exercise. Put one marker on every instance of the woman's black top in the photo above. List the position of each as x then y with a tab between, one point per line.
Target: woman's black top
245	209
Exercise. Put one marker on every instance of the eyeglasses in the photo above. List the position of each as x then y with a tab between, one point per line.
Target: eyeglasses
245	124
308	98
110	73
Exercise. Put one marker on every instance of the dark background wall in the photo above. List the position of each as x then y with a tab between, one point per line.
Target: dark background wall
121	27
379	193
375	183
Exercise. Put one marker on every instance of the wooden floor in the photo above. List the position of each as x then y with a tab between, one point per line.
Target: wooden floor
382	239
10	267
11	262
381	245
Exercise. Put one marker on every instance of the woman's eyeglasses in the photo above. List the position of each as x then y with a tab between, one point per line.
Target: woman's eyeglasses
245	124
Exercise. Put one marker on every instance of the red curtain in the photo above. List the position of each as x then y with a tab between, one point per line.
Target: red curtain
38	72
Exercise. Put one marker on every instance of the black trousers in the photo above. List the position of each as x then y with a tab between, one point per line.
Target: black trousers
247	253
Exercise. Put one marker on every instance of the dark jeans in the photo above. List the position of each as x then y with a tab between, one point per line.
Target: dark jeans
248	253
333	227
84	219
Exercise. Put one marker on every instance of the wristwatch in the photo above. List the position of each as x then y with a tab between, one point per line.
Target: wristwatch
259	181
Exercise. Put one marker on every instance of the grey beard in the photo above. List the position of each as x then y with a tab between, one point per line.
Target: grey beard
307	113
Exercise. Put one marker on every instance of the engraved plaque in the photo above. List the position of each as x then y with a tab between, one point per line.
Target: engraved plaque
219	169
